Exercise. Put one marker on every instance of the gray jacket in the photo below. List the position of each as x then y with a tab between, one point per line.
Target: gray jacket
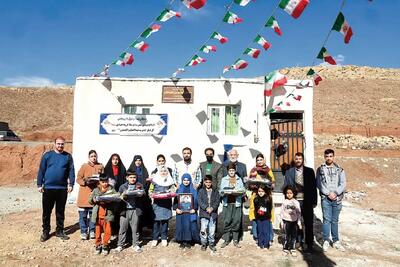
331	181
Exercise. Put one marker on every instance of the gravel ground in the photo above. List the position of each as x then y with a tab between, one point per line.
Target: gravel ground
17	199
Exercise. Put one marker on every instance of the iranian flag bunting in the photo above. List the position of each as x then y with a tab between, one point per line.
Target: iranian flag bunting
323	54
231	18
208	48
242	2
219	37
264	43
226	69
195	60
343	27
179	70
239	64
267	92
315	76
252	52
141	46
154	28
196	4
294	7
167	14
118	62
275	79
272	23
127	58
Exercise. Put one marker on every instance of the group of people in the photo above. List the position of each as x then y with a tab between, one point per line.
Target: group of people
113	200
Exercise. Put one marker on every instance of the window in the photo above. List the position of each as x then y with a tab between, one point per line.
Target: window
136	109
223	119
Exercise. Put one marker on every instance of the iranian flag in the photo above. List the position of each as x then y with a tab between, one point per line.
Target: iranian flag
343	27
261	41
127	58
167	14
323	54
239	64
315	76
226	69
242	2
208	48
232	18
154	28
267	92
294	7
195	60
275	79
119	63
272	23
179	70
252	52
196	4
142	46
219	37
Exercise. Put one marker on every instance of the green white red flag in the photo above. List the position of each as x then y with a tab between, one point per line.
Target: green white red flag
208	48
293	7
149	31
253	52
226	69
167	14
231	18
315	76
196	4
179	70
195	60
272	23
141	46
242	2
342	26
127	58
118	62
239	64
219	37
323	54
275	79
261	41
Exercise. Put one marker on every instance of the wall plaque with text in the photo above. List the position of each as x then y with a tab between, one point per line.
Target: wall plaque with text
177	94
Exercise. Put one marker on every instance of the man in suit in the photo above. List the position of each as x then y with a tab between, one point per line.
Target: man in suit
211	167
303	179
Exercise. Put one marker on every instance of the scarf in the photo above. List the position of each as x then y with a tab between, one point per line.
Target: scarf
162	180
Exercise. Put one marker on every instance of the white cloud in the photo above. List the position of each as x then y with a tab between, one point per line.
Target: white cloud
30	81
338	58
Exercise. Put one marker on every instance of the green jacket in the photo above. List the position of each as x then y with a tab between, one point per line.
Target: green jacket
108	206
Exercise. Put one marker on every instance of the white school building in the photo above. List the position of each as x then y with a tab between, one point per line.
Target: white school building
148	116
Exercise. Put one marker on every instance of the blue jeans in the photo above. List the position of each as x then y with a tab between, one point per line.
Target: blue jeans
254	229
160	228
330	215
207	224
84	221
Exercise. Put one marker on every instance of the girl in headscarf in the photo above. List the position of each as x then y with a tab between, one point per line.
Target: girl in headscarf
262	173
162	182
137	166
187	232
116	171
161	162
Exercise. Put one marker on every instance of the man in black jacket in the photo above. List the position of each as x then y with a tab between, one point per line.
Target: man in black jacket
303	179
211	167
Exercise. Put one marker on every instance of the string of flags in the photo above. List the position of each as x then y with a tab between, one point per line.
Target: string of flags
340	25
126	57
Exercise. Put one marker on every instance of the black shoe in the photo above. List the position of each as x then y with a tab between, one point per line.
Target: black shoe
182	245
203	247
105	250
44	237
236	244
226	243
62	236
187	245
98	250
212	248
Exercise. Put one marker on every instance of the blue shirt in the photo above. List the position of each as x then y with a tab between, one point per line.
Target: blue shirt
55	170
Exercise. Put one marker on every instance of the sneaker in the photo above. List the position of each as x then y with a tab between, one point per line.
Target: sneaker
118	249
98	250
225	244
62	235
154	243
44	237
137	249
84	237
164	243
182	245
203	247
286	252
212	248
338	246
293	253
105	250
92	235
325	246
236	244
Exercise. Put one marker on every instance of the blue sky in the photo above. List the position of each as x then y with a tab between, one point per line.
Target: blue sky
47	42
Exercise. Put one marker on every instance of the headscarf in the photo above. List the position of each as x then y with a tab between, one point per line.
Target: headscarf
141	171
160	180
189	189
109	172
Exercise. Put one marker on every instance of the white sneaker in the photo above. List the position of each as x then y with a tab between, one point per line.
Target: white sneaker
293	253
154	243
338	246
118	249
164	243
137	249
83	236
325	246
